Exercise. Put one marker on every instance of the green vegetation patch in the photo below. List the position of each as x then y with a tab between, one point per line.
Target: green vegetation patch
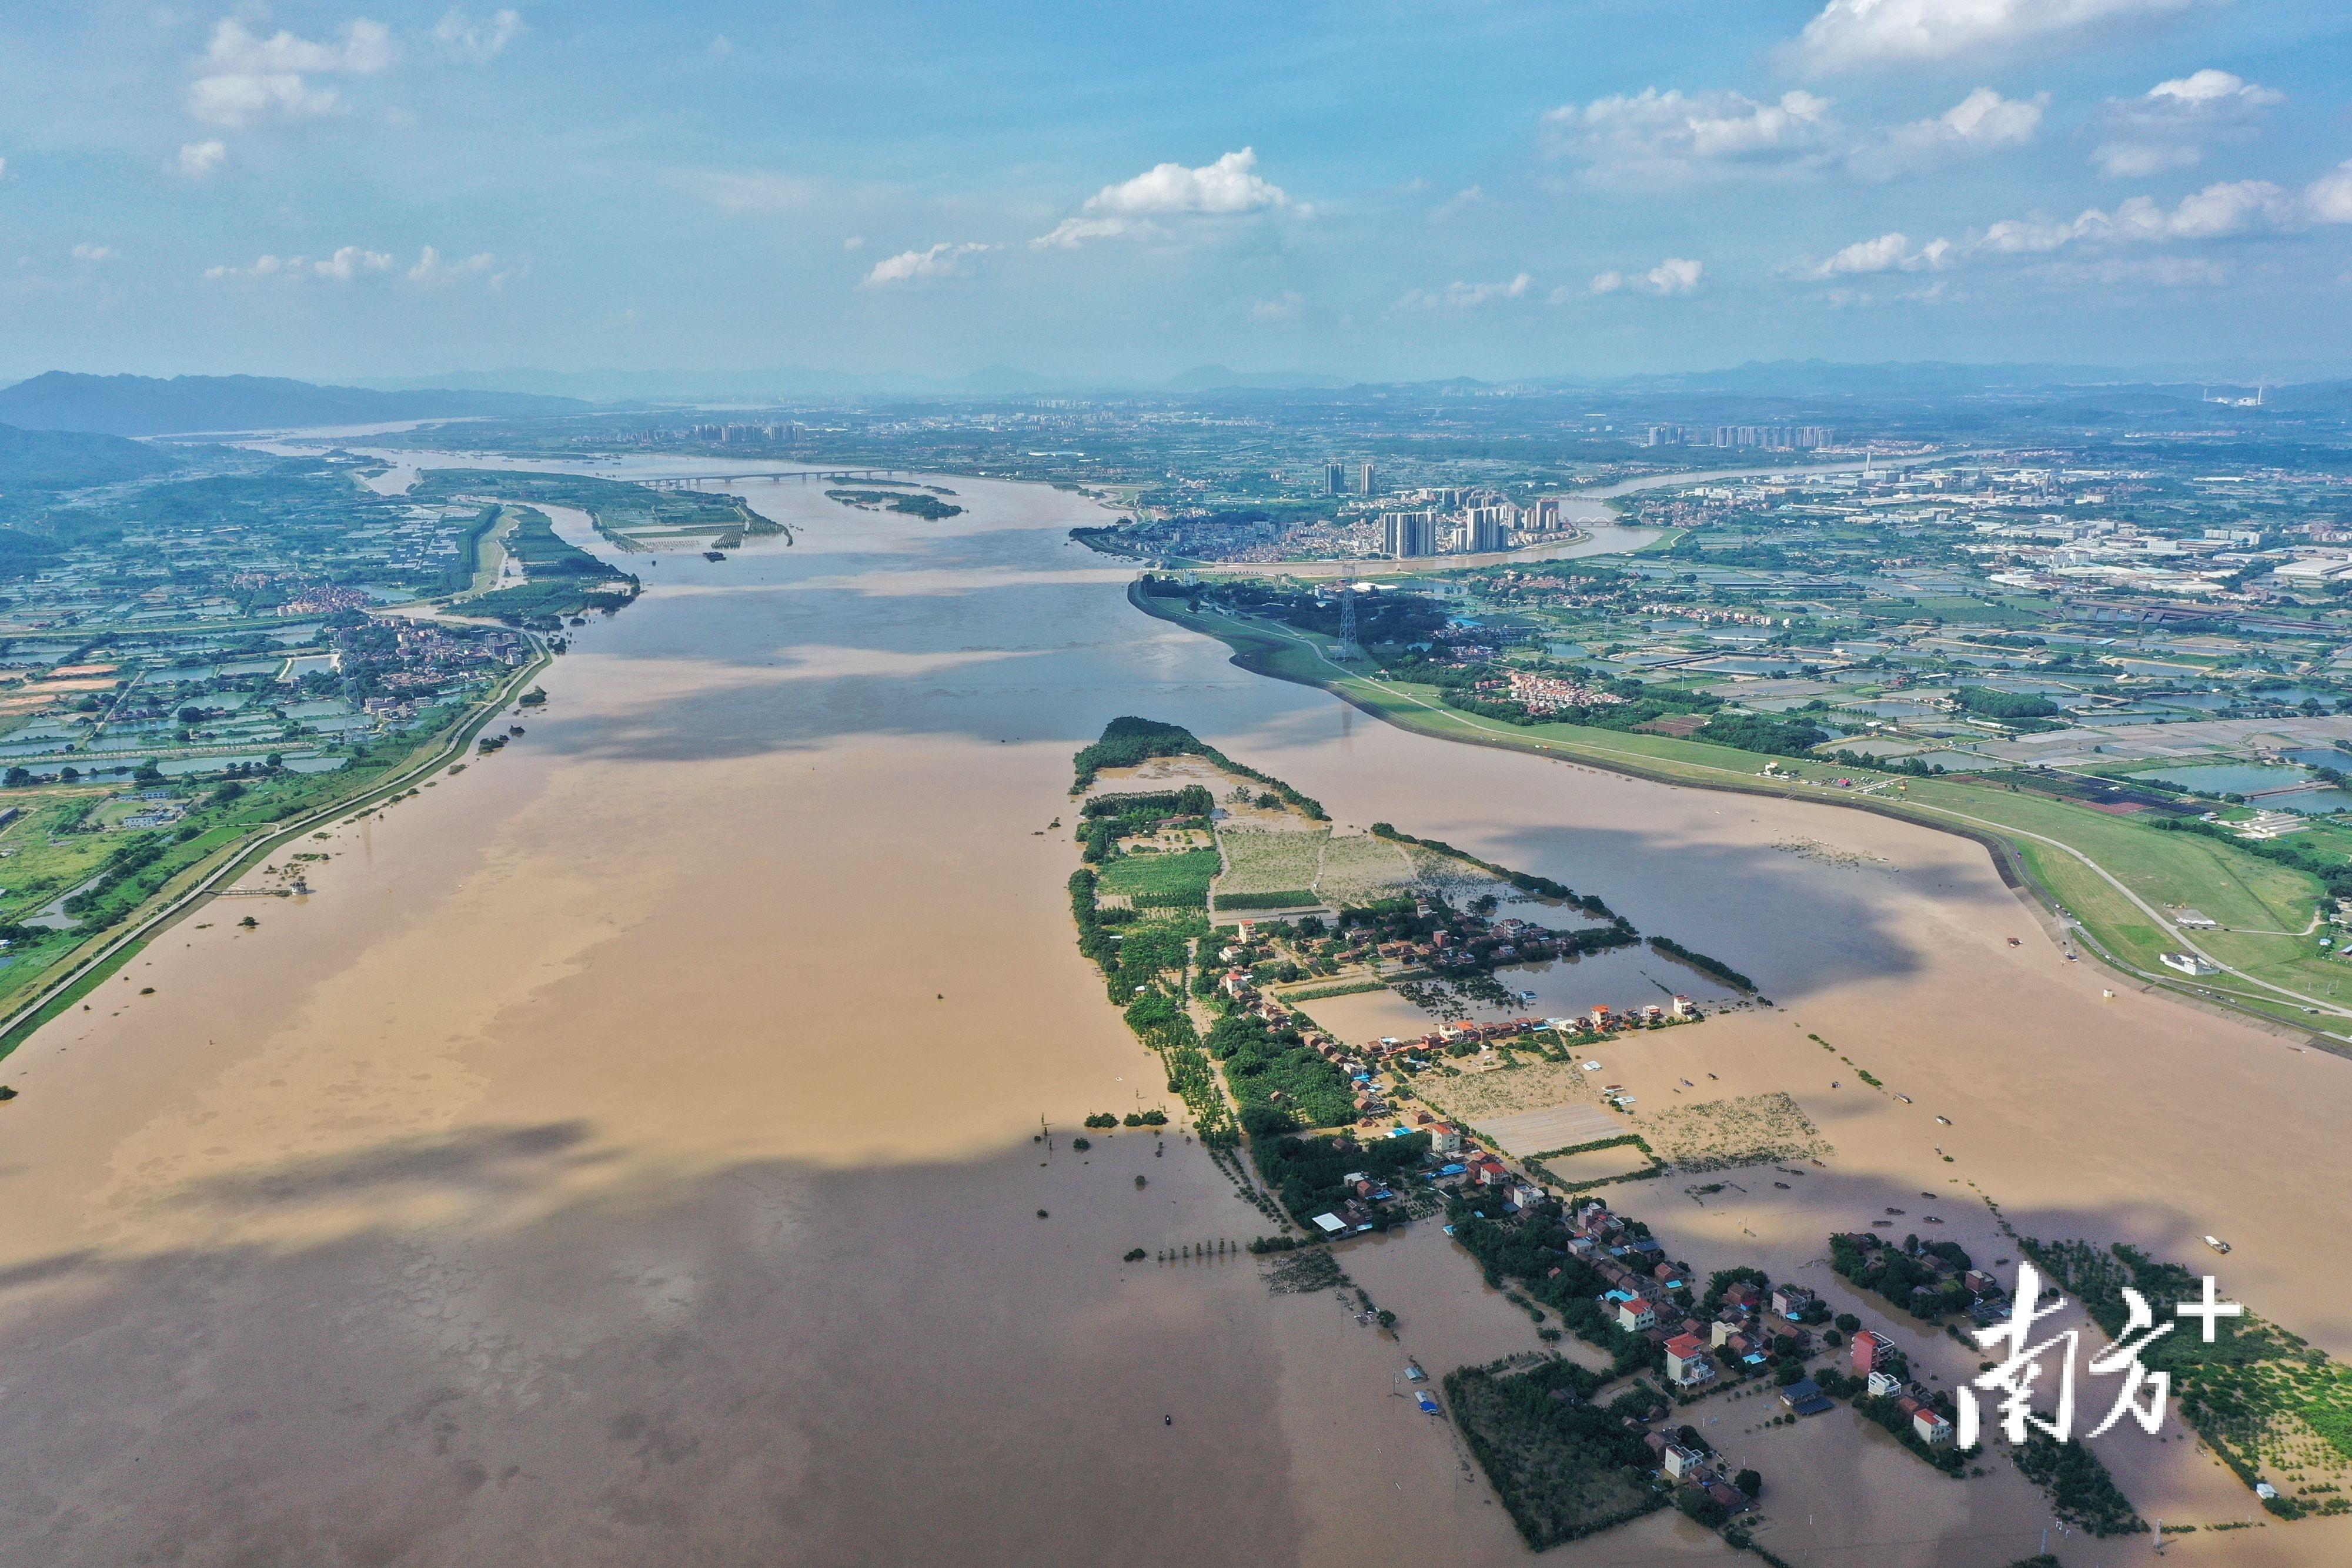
931	509
2079	1486
1277	898
1309	1173
2272	1406
1280	1081
1162	882
1564	1466
1714	969
617	505
560	578
1130	742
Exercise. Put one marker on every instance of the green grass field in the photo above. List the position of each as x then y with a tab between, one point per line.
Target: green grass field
2265	907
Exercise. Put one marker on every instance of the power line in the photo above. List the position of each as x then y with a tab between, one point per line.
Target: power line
1350	650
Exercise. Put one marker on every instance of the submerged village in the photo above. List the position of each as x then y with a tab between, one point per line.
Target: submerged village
1267	958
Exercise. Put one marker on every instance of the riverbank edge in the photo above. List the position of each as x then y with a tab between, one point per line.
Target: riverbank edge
81	976
2009	861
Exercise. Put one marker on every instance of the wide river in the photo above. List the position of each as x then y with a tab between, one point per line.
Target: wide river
628	1154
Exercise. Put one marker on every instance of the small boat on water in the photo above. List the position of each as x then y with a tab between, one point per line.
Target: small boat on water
2216	1243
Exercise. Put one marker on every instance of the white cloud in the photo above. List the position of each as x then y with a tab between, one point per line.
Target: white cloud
2208	89
2138	160
477	40
4	168
854	243
1983	122
922	265
237	102
1677	135
1281	308
2167	127
343	267
349	262
431	272
1228	187
1466	295
745	192
199	160
248	79
366	48
1072	233
1887	253
1676	274
2216	211
1856	33
2209	213
1231	184
2328	199
86	251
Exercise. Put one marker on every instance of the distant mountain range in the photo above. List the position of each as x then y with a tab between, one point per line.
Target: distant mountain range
144	406
782	383
34	462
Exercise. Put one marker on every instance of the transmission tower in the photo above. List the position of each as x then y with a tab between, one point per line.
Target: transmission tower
1348	649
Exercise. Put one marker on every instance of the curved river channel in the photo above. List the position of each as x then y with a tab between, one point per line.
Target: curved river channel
635	1149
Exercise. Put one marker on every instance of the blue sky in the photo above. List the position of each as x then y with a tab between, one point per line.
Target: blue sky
1120	191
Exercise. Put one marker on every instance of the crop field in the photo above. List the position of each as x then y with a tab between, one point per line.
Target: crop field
1270	861
1477	1097
1360	869
1163	881
1721	1133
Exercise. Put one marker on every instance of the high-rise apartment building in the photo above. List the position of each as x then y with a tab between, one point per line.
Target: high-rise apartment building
1335	479
1364	480
1485	528
1405	534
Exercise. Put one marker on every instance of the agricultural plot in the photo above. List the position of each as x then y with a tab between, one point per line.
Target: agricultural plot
1360	869
1258	864
1554	1127
1160	881
1480	1098
1721	1133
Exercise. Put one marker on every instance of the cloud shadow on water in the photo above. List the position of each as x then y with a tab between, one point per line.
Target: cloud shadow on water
766	1362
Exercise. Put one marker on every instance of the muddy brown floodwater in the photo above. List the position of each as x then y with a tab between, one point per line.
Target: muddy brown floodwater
629	1152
